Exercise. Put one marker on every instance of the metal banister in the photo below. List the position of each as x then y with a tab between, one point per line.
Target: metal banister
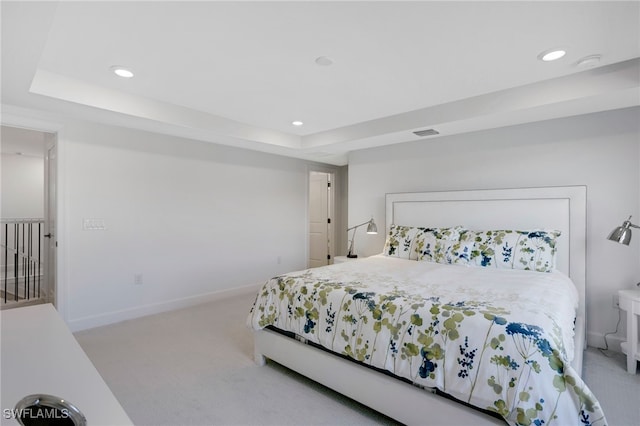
22	242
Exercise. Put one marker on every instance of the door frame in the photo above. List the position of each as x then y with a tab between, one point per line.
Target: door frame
26	119
334	230
50	218
327	180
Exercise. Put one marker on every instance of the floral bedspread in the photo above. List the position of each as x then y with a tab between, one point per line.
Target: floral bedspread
500	340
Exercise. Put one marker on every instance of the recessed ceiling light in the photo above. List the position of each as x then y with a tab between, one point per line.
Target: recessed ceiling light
324	61
551	55
122	71
297	123
589	61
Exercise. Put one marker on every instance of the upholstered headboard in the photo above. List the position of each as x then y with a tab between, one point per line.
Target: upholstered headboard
561	208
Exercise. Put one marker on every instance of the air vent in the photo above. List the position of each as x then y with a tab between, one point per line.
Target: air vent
427	132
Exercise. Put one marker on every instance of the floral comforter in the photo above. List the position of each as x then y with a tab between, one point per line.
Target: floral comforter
500	340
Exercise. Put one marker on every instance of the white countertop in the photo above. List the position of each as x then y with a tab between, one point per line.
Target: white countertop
39	355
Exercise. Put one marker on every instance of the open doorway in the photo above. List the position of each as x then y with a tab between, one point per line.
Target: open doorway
28	205
321	218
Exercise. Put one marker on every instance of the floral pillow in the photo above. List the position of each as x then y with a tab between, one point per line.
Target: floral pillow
511	249
444	251
401	241
445	234
452	234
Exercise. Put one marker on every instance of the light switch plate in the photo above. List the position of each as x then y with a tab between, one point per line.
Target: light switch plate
94	224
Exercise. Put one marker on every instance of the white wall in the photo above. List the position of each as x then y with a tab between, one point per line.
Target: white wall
22	186
343	183
601	151
193	218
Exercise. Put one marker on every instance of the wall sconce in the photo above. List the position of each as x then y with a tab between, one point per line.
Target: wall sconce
371	229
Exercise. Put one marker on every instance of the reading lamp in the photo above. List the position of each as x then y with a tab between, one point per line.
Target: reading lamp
622	234
371	229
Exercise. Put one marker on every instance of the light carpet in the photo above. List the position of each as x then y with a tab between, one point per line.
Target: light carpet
195	366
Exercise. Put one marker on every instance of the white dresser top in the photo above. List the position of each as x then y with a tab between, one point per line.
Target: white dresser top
39	355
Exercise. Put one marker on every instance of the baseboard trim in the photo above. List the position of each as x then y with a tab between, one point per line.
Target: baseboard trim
597	340
156	308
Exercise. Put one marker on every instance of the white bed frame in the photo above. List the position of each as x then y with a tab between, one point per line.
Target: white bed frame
561	208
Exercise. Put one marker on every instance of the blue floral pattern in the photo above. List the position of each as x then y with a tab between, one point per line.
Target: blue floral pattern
509	358
512	249
443	251
401	240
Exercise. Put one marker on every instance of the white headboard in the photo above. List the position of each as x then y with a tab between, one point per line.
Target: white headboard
562	208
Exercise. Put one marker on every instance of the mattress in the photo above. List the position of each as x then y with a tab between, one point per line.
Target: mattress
500	340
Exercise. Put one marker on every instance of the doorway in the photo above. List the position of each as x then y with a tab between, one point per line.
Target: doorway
28	214
321	218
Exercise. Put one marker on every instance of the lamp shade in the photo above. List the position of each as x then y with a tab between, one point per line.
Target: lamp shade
621	235
372	228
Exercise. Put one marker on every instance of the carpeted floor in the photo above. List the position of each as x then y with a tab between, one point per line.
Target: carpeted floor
194	367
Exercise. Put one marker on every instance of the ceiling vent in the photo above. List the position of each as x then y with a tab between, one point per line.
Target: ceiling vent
426	132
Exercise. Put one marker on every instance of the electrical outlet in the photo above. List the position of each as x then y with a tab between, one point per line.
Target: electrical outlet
137	279
616	301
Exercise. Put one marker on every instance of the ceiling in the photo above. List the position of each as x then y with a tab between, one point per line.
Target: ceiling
239	73
17	141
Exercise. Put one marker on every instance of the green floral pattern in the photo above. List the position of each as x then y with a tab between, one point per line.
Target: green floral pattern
482	345
401	240
512	249
443	251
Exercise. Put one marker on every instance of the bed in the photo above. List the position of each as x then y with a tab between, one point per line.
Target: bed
472	314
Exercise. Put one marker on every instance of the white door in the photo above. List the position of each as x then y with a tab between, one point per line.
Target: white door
51	240
319	219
